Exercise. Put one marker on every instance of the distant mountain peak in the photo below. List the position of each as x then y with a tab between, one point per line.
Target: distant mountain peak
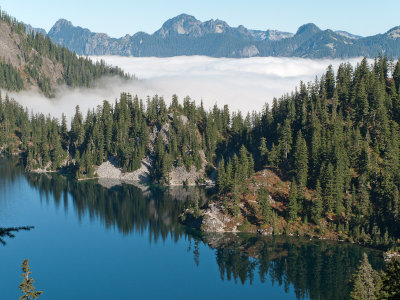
188	25
179	25
309	28
183	16
393	33
60	25
63	22
186	35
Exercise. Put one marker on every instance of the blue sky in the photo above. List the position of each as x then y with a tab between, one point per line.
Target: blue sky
119	17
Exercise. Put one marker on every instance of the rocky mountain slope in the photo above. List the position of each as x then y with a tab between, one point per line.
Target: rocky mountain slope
217	215
185	35
14	51
30	59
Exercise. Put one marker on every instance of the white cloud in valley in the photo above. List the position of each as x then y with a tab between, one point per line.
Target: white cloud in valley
243	84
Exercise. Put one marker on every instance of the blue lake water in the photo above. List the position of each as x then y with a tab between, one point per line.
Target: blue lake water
92	242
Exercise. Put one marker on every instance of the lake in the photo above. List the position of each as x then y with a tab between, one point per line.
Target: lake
125	242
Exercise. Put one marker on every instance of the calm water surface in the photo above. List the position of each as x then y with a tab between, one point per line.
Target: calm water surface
92	242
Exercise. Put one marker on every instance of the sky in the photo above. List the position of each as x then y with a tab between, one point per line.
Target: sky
120	17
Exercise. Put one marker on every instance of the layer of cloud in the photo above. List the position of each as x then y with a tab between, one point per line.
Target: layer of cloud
243	84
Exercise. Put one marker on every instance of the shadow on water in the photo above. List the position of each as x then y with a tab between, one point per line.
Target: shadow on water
316	269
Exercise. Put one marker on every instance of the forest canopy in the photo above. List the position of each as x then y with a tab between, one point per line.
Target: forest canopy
338	136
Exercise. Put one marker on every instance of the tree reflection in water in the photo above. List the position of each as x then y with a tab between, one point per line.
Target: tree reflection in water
9	232
125	207
316	269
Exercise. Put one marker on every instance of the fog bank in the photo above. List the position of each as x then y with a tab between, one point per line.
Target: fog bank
243	84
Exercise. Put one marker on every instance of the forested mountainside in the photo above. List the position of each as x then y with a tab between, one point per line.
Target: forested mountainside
185	35
30	59
336	139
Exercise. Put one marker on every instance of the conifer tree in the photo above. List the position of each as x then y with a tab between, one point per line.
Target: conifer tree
221	177
285	142
292	205
264	204
235	201
362	102
390	280
250	169
301	161
350	201
317	205
263	151
26	286
364	197
328	184
395	204
364	281
330	82
243	165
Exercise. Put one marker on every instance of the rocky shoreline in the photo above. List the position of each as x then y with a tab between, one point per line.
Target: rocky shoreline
110	175
179	176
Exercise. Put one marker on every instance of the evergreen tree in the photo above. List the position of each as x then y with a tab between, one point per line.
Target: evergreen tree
364	197
264	205
317	205
330	82
235	201
301	161
221	177
26	286
263	151
292	205
391	280
328	184
285	142
364	281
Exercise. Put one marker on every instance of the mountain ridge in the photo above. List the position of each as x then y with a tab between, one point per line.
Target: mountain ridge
186	35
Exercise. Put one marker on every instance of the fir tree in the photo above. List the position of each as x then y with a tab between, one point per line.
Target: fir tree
301	161
26	286
317	205
263	151
364	281
391	281
264	205
221	177
292	205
